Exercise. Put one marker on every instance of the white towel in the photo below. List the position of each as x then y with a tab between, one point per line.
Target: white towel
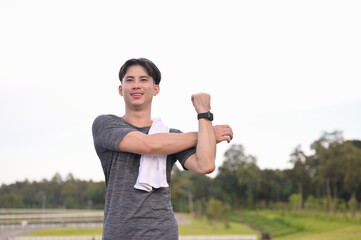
153	168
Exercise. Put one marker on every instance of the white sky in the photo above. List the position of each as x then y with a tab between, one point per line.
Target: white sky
279	72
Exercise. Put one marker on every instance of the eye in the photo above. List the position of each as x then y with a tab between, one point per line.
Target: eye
144	80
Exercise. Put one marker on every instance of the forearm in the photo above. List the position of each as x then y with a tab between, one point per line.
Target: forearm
206	146
157	144
169	143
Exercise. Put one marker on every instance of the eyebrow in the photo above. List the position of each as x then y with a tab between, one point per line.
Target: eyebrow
139	77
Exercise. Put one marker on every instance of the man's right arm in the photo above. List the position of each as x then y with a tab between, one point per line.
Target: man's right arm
157	144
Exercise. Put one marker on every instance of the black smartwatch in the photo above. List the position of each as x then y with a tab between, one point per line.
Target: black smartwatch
208	115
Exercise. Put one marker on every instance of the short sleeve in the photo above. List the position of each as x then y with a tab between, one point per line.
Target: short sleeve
185	154
108	131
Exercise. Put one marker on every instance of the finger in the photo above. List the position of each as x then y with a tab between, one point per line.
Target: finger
229	133
225	138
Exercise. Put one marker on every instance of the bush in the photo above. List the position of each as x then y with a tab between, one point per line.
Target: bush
311	203
295	201
352	204
217	211
11	200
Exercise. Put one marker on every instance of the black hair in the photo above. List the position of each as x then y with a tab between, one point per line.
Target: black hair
148	65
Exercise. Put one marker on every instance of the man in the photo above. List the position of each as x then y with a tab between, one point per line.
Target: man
123	144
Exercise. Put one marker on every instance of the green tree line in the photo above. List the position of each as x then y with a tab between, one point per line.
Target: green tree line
329	179
53	193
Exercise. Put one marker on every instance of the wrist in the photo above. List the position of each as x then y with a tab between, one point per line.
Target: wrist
203	110
205	115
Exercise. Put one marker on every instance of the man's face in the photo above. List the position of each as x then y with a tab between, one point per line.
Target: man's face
138	87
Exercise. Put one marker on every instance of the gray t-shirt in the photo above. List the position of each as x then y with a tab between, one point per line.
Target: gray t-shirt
131	213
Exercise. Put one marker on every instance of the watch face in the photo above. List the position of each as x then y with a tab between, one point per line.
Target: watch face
210	116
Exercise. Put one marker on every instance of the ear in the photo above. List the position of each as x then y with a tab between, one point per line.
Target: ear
156	90
120	89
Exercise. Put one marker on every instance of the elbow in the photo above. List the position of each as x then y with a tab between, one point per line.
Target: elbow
210	169
207	168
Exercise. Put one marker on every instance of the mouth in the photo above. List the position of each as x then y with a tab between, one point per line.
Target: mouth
136	94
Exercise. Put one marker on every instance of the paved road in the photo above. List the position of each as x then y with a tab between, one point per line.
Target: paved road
11	231
7	233
51	215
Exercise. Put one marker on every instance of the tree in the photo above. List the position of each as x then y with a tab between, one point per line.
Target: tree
70	192
226	183
57	179
295	200
180	183
352	177
329	169
217	211
298	158
10	200
271	186
249	177
96	194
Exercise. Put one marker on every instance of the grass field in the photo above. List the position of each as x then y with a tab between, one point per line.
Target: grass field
197	227
302	226
282	225
95	231
202	227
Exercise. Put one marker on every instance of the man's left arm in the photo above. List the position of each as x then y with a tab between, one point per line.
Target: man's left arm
203	161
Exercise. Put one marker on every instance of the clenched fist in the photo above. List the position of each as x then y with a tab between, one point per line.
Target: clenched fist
201	102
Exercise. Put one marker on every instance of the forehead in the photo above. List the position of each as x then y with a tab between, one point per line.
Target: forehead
136	70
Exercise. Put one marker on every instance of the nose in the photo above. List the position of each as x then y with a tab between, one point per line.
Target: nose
135	85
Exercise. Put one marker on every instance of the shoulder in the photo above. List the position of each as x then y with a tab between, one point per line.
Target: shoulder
106	117
106	120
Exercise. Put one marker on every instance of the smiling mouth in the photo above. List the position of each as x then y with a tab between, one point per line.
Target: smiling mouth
136	94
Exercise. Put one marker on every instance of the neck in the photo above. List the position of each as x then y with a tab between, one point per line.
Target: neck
138	118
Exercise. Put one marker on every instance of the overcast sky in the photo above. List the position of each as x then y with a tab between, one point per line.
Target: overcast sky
279	72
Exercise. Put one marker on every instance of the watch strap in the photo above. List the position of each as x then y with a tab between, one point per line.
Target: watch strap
207	115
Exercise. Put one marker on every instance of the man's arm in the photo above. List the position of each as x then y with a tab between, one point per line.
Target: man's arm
169	143
157	144
203	161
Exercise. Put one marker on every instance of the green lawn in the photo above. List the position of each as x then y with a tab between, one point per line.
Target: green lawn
94	231
202	227
197	227
341	232
281	225
302	226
